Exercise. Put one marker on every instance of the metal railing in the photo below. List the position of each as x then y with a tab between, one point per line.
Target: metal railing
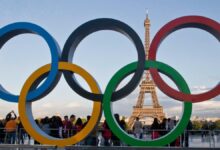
190	138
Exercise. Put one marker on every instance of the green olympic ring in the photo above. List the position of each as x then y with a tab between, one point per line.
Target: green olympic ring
114	82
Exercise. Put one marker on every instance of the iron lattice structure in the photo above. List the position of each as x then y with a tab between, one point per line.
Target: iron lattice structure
147	86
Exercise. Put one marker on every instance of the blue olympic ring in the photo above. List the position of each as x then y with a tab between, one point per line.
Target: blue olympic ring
15	29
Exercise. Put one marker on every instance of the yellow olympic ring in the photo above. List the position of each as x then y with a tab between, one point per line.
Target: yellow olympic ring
25	110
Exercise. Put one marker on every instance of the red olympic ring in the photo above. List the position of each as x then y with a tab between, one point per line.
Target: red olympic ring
200	22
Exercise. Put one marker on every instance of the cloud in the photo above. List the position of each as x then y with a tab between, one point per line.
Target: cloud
124	106
175	109
47	105
199	89
73	105
217	98
207	105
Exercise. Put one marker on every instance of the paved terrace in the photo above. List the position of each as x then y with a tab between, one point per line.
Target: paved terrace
40	147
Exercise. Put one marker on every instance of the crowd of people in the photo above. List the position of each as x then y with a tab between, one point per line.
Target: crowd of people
12	131
159	129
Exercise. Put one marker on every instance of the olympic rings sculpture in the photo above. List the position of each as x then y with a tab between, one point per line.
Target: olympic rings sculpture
62	63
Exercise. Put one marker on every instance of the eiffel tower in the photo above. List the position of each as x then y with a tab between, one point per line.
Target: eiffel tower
147	86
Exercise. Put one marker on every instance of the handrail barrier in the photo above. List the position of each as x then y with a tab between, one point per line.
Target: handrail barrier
190	138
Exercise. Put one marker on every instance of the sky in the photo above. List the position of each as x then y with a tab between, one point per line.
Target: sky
192	52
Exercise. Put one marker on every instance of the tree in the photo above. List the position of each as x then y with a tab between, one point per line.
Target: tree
197	125
217	124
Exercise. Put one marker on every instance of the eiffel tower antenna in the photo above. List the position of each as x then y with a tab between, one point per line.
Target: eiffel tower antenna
147	42
147	12
147	86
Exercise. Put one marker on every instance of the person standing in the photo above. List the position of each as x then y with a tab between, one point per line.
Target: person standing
114	138
155	129
56	127
21	132
79	127
123	124
186	134
10	127
45	125
67	126
73	128
137	129
164	127
2	133
106	134
91	139
171	125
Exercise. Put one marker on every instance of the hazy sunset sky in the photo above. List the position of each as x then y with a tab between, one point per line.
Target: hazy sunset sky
192	52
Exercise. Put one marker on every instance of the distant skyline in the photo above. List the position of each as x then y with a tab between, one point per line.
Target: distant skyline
192	52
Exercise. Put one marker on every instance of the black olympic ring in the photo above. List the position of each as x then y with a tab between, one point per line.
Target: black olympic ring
96	25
